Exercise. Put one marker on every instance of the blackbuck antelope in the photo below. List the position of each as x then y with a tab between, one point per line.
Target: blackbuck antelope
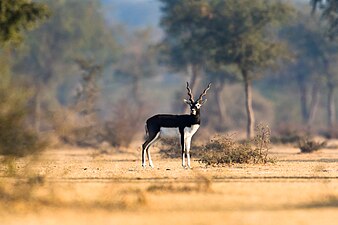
186	124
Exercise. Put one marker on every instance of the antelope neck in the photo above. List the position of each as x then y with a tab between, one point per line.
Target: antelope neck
196	117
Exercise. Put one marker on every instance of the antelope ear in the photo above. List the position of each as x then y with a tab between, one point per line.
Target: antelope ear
187	101
203	101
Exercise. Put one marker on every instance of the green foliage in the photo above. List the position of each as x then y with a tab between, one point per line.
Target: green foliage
242	32
216	34
17	16
185	25
227	32
76	29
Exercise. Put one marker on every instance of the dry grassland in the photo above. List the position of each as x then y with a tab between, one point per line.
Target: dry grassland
87	186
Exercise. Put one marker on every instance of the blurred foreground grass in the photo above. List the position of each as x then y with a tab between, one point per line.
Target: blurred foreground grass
70	186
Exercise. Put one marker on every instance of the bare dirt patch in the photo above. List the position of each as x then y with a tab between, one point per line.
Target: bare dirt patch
84	186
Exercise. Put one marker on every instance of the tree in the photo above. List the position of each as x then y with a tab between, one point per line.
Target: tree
76	29
138	60
329	13
87	131
331	84
185	46
17	16
239	30
219	75
311	63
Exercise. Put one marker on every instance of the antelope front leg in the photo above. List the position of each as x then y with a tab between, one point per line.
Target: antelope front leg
183	147
187	149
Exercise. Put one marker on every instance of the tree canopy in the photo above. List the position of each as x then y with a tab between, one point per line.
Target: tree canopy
185	26
17	16
218	33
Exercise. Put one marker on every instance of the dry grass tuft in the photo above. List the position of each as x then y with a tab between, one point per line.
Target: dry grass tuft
200	184
222	150
306	145
170	147
328	201
33	192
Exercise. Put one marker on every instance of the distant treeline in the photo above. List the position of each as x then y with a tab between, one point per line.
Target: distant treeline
88	81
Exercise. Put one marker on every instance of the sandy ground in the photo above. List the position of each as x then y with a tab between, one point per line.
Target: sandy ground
88	186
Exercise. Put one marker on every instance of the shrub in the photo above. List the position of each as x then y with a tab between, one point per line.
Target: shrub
170	147
330	133
224	150
121	130
306	145
287	134
72	128
16	139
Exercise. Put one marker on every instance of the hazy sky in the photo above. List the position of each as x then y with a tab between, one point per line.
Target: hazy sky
139	13
135	13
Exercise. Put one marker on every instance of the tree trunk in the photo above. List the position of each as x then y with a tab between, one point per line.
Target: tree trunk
331	109
303	101
37	109
220	104
248	105
313	108
194	80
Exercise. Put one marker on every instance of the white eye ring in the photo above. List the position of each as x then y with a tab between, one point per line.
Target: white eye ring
198	105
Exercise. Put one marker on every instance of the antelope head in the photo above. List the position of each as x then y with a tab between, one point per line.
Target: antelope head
196	105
